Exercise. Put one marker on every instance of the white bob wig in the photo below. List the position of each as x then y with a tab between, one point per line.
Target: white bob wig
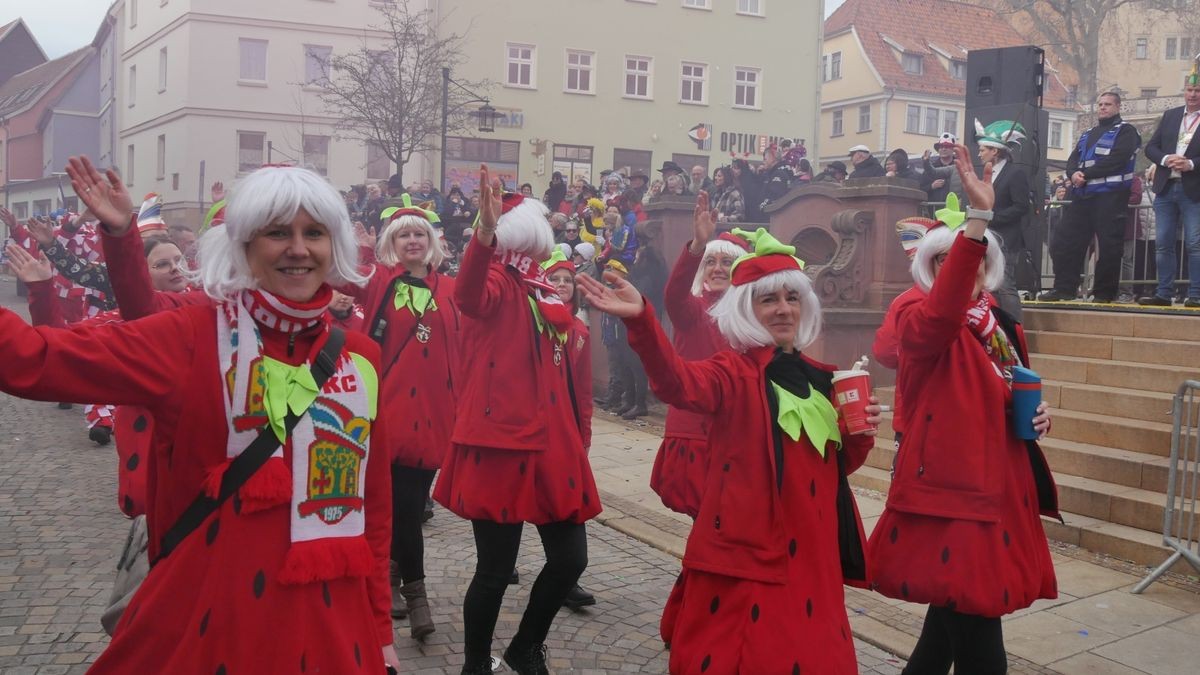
712	249
526	229
938	241
385	248
270	196
734	312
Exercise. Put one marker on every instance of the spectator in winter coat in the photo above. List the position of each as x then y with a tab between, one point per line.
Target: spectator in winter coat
865	164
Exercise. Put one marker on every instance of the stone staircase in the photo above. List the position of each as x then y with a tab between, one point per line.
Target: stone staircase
1110	379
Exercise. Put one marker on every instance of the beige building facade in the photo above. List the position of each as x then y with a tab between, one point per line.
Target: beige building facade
587	85
1145	54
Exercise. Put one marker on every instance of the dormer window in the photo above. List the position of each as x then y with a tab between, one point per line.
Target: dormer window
911	63
958	70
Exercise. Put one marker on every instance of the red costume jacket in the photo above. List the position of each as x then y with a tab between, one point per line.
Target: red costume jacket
580	347
953	401
739	531
694	335
420	366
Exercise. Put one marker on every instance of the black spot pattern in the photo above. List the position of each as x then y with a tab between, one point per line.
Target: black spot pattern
325	594
692	456
477	458
893	534
792	548
754	613
204	622
210	535
133	461
1006	540
357	655
586	499
717	522
412	392
303	663
945	555
221	670
681	449
128	504
521	468
571	482
140	423
706	663
1006	597
795	669
714	605
553	398
808	608
812	487
260	584
904	589
726	467
425	352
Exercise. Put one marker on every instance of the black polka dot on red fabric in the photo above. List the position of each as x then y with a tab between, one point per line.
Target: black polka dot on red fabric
553	398
1006	597
428	423
812	487
210	535
416	426
893	534
808	608
754	613
692	456
904	589
717	522
1025	500
133	461
682	450
521	467
714	605
260	584
204	622
1006	540
478	458
945	555
303	663
587	499
491	364
221	670
412	393
706	663
795	669
128	504
357	655
726	467
140	423
325	595
571	482
792	548
424	352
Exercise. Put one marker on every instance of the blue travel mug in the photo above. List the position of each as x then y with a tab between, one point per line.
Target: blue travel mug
1026	397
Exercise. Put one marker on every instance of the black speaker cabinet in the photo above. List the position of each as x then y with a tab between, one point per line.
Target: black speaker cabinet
1005	75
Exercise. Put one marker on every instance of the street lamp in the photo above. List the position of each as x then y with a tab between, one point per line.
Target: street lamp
486	116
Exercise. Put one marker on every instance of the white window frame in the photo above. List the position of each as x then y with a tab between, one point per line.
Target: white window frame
162	70
835	66
131	87
1056	126
908	118
1141	48
864	108
243	43
1171	49
960	66
697	4
647	74
313	54
693	80
531	62
742	86
579	69
928	129
919	60
160	171
244	168
947	125
747	7
837	124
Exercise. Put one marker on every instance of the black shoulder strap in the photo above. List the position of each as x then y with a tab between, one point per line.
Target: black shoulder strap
252	458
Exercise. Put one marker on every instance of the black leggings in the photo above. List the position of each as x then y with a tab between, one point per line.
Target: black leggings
496	547
410	487
974	644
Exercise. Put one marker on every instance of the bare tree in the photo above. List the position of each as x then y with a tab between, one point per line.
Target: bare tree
1070	30
388	93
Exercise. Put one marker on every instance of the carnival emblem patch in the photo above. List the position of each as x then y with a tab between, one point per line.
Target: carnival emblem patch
334	462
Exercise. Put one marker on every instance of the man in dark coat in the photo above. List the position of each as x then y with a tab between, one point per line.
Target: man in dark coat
865	164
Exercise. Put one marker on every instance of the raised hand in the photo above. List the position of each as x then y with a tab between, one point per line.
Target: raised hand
28	268
490	205
363	236
41	231
218	191
8	218
704	224
621	299
980	192
105	195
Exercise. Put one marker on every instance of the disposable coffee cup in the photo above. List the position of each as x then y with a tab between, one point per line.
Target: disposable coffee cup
851	391
1026	397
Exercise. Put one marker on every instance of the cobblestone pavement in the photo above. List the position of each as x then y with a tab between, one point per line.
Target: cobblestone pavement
60	532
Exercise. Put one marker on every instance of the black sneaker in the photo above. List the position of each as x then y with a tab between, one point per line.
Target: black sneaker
578	598
1104	299
100	435
1154	301
1192	302
428	513
527	662
634	413
1055	296
65	406
514	579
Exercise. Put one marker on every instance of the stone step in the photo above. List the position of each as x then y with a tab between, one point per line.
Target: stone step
1136	350
1103	372
1116	324
1113	401
1133	507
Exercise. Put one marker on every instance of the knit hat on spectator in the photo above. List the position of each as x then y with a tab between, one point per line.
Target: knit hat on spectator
859	148
769	256
149	218
585	249
999	134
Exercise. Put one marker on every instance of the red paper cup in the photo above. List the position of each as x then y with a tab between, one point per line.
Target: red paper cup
851	391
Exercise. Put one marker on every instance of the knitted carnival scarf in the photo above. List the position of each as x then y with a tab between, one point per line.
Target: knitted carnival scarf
987	330
549	309
329	446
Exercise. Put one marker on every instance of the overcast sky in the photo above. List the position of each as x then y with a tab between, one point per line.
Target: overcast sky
63	25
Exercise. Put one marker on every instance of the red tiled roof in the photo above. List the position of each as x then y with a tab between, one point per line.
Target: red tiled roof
919	26
23	89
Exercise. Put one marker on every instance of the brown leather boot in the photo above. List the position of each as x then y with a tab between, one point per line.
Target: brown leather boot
420	619
399	608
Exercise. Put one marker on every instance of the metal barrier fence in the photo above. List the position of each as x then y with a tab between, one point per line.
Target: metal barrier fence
1181	526
1139	267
